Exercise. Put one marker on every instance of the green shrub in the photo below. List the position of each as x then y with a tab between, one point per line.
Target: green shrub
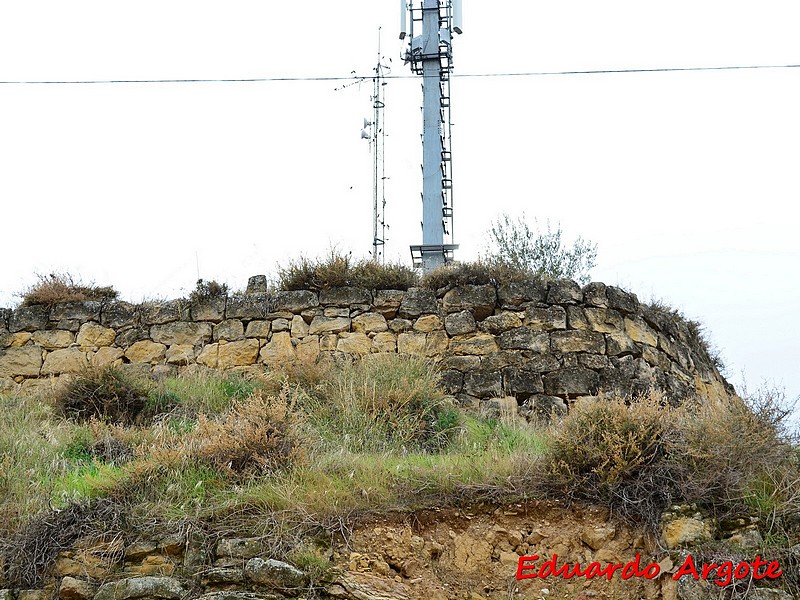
384	403
56	288
107	394
205	290
341	270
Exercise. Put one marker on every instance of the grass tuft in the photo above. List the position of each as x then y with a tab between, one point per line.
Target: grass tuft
342	270
56	288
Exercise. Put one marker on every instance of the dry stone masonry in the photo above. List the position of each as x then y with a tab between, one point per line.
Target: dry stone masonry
544	343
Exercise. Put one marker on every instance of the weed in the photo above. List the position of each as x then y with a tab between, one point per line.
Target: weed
108	394
481	272
62	287
205	290
341	270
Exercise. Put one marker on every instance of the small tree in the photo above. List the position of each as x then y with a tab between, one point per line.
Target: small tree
513	242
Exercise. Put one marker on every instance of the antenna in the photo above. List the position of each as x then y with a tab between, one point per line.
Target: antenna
378	143
430	54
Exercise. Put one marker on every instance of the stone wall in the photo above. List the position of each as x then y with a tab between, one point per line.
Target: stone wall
544	343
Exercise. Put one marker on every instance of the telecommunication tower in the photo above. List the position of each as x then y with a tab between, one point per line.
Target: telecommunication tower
377	139
430	25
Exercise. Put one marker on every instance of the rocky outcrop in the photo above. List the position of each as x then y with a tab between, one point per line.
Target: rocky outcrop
539	342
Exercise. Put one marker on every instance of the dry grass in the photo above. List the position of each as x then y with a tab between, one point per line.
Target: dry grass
342	270
56	288
482	272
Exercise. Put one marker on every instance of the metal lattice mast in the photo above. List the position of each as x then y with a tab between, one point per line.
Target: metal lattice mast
430	54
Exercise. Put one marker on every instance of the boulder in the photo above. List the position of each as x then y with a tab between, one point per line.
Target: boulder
639	331
354	343
411	343
685	530
594	294
275	574
307	349
522	383
483	384
387	302
166	588
400	325
384	342
513	295
564	291
75	589
15	340
604	320
571	381
159	313
78	311
106	356
577	341
298	327
496	324
279	350
621	300
436	343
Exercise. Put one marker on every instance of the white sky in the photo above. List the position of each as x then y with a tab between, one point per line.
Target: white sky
688	182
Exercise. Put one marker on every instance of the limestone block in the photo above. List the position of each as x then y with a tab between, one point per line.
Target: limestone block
564	291
91	335
571	381
53	340
460	363
524	338
416	302
593	361
400	325
370	323
621	300
294	301
28	318
15	340
384	342
411	343
70	360
321	325
594	294
479	344
513	295
354	343
275	574
299	328
480	300
106	356
427	323
247	306
436	343
159	313
256	284
78	311
209	356
24	362
496	324
119	314
521	382
327	343
165	588
181	333
483	384
460	323
75	589
308	349
578	341
620	343
237	354
280	324
211	309
387	302
126	337
335	311
228	330
546	319
604	320
639	331
544	407
279	350
685	530
344	296
452	381
258	329
145	351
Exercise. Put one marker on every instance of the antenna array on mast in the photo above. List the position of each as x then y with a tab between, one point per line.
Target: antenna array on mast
430	54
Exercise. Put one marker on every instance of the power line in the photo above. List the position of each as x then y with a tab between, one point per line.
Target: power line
354	77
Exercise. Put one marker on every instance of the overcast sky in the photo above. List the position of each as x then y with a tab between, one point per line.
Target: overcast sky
687	181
